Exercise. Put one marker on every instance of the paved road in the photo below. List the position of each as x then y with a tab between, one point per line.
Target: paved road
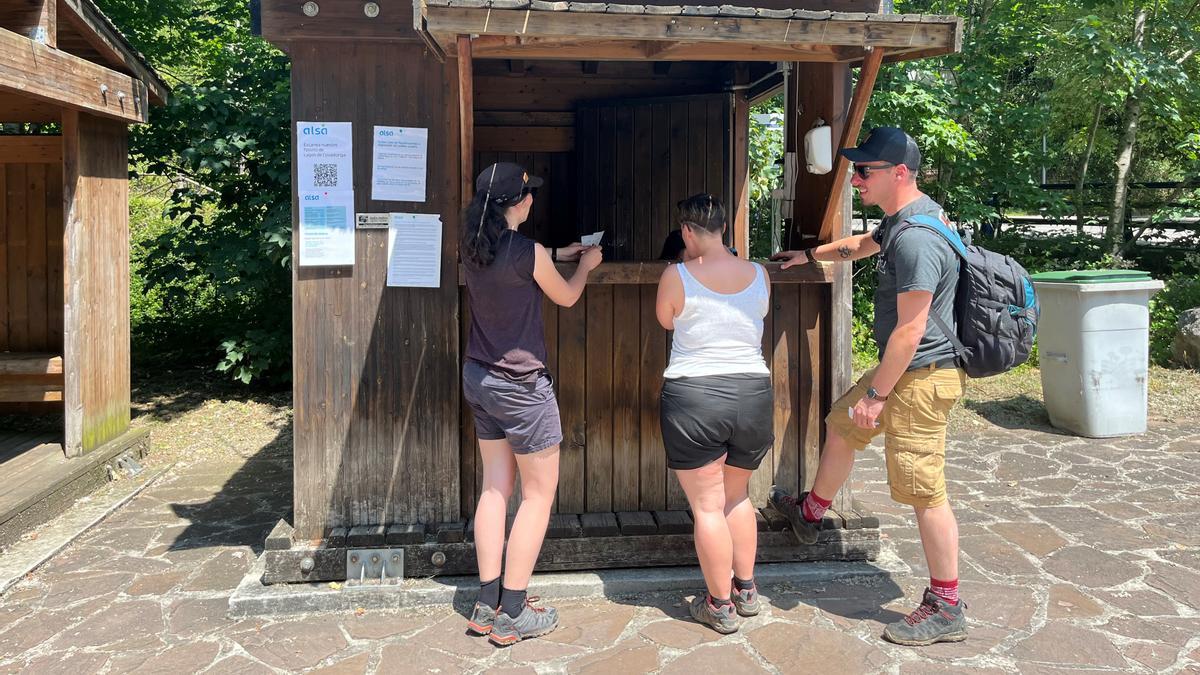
1078	556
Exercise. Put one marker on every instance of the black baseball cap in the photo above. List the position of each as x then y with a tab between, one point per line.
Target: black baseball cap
886	144
505	182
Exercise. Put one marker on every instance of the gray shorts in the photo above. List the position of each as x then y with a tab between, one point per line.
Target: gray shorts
706	417
525	412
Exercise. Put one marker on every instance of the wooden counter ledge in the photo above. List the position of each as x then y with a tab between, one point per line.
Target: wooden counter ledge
649	273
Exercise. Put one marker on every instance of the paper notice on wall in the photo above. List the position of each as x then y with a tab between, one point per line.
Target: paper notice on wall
401	156
324	157
415	250
326	229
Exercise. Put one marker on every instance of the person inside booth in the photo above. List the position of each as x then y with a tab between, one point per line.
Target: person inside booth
716	404
511	393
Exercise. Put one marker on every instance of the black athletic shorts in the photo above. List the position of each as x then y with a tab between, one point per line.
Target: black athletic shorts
706	417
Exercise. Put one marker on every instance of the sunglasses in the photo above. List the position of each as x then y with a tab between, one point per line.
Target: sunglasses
864	171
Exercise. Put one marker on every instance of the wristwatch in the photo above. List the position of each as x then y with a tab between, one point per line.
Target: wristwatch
554	254
873	394
808	254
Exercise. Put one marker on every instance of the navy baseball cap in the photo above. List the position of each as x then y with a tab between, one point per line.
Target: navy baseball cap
506	182
886	144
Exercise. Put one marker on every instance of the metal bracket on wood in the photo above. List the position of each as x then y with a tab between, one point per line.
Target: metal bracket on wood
381	565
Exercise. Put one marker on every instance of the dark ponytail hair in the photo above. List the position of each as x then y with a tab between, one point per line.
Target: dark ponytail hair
482	224
703	212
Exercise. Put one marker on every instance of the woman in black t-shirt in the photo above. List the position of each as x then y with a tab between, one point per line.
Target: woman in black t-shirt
510	392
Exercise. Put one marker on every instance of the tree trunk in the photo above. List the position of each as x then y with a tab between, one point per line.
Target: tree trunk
1087	156
1133	112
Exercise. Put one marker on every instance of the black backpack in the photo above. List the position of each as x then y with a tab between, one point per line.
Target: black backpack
995	305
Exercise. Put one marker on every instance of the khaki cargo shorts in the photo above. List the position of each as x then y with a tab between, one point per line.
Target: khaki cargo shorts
914	427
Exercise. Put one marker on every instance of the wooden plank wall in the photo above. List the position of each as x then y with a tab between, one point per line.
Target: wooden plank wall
31	255
96	338
608	354
636	160
376	384
544	96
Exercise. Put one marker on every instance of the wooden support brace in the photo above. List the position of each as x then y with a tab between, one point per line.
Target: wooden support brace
466	117
830	221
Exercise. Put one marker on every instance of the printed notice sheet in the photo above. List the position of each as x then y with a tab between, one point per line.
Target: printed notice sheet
326	228
415	250
324	156
400	159
592	239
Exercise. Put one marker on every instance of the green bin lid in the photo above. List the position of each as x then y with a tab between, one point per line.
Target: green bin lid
1091	276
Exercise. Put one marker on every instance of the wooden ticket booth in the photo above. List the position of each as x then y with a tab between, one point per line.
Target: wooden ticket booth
623	110
70	86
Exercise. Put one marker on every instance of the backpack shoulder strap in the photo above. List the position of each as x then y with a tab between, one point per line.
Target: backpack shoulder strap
956	243
935	224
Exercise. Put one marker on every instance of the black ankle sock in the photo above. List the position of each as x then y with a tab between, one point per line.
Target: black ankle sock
489	593
512	602
745	585
718	602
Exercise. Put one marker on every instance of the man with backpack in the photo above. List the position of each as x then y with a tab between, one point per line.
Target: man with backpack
909	395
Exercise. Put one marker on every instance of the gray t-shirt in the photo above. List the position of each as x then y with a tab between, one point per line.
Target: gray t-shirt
920	260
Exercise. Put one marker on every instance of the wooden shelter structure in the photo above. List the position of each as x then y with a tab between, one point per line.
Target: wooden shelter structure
623	110
67	74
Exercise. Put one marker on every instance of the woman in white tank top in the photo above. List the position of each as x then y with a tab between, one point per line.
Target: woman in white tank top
717	402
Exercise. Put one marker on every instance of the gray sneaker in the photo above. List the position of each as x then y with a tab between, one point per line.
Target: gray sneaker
481	619
934	621
790	507
531	622
745	602
723	620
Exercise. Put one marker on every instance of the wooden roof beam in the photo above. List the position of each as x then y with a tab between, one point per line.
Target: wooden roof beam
942	36
854	119
105	39
45	74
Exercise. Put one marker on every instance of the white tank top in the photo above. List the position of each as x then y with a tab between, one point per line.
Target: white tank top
719	333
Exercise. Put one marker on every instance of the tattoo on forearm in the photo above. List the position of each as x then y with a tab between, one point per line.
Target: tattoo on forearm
844	251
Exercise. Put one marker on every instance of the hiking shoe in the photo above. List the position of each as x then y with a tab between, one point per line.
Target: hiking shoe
934	621
723	620
531	622
790	507
745	602
481	619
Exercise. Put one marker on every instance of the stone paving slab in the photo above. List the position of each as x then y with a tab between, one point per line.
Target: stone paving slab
1079	555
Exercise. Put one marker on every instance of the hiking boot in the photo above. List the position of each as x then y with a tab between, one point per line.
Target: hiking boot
481	619
934	621
745	602
531	622
723	620
790	507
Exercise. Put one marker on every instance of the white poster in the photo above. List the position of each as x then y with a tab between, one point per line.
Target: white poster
415	250
326	228
401	156
324	156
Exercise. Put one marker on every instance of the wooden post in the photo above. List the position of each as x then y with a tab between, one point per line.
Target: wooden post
96	292
831	220
739	199
466	117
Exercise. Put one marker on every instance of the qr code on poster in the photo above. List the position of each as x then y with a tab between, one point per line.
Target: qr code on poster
325	175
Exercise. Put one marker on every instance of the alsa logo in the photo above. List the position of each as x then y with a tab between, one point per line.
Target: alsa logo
312	198
315	131
386	132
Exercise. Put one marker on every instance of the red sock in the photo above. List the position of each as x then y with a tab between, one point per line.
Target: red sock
946	590
814	507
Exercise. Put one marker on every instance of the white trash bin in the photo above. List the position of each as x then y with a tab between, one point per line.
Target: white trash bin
1094	348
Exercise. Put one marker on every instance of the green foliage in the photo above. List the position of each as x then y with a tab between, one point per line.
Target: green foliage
766	151
211	237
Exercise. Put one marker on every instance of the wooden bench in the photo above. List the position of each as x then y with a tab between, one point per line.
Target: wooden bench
30	378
